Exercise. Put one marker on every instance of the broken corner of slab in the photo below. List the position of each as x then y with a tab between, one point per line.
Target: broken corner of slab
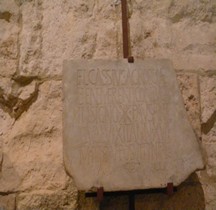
125	125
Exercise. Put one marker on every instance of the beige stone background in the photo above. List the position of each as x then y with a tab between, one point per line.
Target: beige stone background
37	35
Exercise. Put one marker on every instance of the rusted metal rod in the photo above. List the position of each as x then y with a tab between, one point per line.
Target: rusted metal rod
125	30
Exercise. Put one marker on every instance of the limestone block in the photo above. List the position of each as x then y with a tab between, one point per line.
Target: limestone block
7	202
210	137
9	177
117	117
16	97
193	47
7	67
8	181
46	41
210	152
208	97
190	91
44	200
35	149
8	49
177	10
69	35
208	108
77	33
190	46
25	93
9	29
209	189
197	11
30	38
5	88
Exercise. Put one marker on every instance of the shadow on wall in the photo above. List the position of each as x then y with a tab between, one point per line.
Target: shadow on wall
189	196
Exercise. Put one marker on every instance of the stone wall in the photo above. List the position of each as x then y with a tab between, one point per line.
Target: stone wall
37	35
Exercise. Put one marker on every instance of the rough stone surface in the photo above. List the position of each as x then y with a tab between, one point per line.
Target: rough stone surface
210	150
186	39
45	200
111	112
32	156
208	102
36	36
189	87
210	194
208	108
16	97
30	38
210	137
9	30
8	202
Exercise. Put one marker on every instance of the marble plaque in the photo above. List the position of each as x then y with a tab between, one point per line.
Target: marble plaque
125	125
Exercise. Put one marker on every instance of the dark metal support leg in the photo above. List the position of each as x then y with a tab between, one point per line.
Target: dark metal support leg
170	189
132	201
100	197
100	194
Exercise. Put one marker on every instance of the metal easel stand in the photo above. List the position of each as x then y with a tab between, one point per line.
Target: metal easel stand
100	194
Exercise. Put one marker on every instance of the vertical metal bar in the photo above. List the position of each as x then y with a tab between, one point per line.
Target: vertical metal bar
100	197
125	32
100	194
170	188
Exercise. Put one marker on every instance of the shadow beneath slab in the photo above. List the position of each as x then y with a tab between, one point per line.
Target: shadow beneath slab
189	196
86	203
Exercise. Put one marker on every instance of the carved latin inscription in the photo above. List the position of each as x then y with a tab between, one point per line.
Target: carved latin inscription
111	111
117	123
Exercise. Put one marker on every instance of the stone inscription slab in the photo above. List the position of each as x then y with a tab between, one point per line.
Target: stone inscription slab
125	125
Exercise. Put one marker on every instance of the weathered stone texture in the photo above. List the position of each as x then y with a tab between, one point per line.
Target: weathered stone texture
30	39
183	35
189	86
210	150
16	97
44	200
210	194
36	36
208	108
8	202
208	114
208	119
35	149
208	100
9	30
